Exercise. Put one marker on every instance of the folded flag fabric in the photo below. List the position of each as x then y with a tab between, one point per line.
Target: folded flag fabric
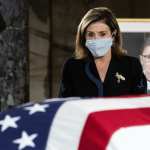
78	124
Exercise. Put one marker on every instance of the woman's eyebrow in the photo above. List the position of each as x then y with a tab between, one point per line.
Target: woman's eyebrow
97	31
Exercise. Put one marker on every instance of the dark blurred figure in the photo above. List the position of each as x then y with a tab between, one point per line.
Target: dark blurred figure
145	61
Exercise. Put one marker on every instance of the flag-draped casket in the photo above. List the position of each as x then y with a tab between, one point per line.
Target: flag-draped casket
78	124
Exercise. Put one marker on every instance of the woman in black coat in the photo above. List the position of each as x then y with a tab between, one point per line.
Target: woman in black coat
100	66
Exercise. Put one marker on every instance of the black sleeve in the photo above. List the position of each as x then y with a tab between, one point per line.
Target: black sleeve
65	89
139	85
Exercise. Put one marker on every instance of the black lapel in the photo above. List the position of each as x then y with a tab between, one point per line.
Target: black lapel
92	74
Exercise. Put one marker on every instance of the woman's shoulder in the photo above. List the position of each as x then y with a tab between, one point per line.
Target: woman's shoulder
126	61
73	63
131	62
129	59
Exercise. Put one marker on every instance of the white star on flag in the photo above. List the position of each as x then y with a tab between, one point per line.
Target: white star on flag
36	108
25	140
8	122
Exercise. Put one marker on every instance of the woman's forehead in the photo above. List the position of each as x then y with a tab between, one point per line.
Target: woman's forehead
98	26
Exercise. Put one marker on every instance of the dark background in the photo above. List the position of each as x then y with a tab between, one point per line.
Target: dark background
42	34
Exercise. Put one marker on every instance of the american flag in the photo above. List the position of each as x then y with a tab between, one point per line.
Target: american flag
78	124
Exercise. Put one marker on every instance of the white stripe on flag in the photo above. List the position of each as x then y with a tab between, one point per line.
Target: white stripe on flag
69	121
130	138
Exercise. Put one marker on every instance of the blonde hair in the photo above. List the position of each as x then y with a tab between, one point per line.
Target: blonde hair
93	15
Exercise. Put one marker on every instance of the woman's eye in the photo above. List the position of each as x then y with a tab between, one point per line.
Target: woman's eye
102	34
90	34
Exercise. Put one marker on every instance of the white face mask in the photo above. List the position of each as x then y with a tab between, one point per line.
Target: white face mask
99	47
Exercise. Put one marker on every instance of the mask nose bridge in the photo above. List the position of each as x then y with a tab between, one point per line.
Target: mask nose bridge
97	36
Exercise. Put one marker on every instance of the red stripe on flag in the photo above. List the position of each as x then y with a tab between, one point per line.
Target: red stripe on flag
101	125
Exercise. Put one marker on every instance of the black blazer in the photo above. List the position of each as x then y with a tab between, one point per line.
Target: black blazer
80	78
